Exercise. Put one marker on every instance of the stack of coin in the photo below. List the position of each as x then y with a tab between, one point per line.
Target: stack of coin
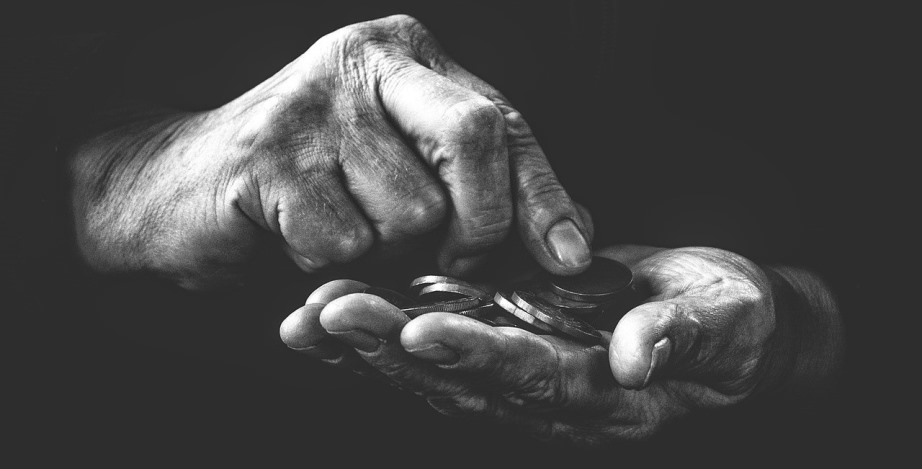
574	307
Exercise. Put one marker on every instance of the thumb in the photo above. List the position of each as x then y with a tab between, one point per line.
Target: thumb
649	339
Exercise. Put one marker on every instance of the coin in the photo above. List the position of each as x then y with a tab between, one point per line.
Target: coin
602	281
447	290
613	311
479	312
577	308
529	319
492	314
428	279
450	306
549	314
420	282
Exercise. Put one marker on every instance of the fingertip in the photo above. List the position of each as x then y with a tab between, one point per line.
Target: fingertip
436	327
417	333
630	366
364	312
302	328
306	264
436	335
632	346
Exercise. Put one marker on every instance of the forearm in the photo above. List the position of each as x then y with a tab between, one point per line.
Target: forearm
809	341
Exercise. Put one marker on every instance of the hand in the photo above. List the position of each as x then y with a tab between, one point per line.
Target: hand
373	135
716	310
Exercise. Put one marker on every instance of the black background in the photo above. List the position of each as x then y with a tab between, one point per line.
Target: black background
767	128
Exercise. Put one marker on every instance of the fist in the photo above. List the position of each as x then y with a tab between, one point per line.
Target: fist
372	137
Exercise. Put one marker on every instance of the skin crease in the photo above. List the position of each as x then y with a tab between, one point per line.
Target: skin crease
374	137
716	307
370	139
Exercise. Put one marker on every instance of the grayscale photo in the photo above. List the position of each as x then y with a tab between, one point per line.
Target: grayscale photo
455	234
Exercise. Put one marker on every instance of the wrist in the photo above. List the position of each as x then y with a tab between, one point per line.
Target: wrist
806	353
117	188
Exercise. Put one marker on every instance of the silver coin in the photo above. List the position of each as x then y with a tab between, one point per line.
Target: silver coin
449	306
549	314
429	279
479	312
572	307
530	319
420	282
602	281
452	288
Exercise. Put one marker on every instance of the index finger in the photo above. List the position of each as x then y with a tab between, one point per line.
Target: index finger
461	135
554	229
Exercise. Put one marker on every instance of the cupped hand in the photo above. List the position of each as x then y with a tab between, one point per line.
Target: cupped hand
372	136
704	339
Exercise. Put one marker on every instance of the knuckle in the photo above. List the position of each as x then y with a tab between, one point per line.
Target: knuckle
355	42
409	31
403	20
518	130
351	244
751	301
470	120
756	297
357	33
422	212
399	28
363	52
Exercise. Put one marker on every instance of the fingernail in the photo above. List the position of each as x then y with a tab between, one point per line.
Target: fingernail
437	353
658	356
308	265
358	339
567	244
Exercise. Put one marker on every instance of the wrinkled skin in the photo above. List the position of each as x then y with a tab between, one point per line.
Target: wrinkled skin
373	137
715	307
